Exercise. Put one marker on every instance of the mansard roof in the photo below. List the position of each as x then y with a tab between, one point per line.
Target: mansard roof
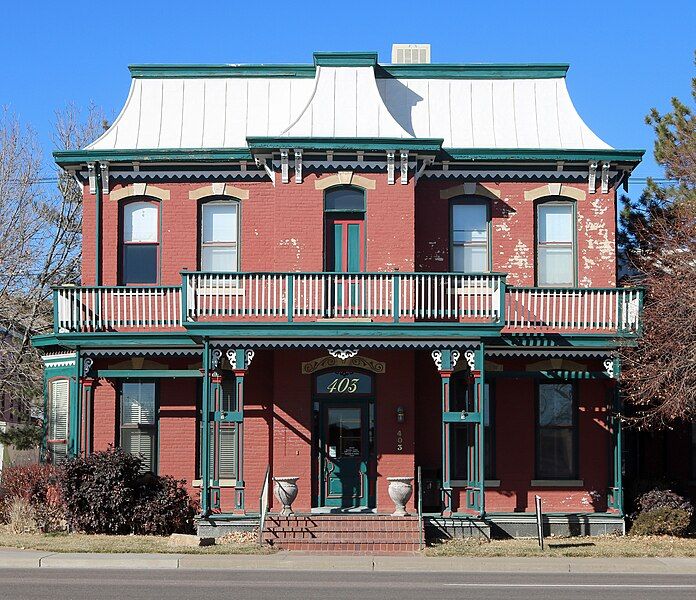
349	96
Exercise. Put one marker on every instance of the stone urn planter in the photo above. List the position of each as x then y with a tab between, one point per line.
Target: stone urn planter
285	490
400	490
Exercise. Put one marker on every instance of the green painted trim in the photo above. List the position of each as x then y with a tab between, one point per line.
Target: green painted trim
345	143
148	373
160	71
345	59
462	417
543	154
99	200
474	71
549	374
79	157
308	71
178	340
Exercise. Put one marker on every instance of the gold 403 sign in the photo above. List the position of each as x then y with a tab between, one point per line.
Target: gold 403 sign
343	385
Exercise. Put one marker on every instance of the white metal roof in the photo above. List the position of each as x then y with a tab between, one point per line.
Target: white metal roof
220	112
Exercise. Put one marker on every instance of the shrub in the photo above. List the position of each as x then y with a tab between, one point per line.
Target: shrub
39	487
21	517
163	507
662	521
106	492
662	498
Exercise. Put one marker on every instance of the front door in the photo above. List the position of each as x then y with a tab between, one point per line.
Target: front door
344	453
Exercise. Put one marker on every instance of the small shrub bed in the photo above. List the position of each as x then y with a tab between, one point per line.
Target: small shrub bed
662	512
106	492
30	498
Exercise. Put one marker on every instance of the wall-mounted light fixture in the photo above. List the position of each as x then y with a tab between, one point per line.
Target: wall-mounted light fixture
400	414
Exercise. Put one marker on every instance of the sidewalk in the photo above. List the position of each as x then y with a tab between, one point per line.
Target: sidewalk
19	559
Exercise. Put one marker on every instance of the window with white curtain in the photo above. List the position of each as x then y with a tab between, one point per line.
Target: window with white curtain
139	421
140	242
219	226
470	237
556	244
57	435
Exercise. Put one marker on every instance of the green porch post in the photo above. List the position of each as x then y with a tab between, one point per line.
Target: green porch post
445	361
74	408
239	359
615	497
205	431
478	486
86	387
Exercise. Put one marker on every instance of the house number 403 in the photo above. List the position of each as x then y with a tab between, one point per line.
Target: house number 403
343	385
399	441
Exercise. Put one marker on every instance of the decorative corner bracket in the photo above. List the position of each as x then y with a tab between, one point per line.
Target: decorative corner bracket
390	168
605	178
592	178
404	166
262	162
284	167
104	168
239	358
92	174
298	165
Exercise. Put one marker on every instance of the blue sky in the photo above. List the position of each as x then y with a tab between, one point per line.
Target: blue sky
625	56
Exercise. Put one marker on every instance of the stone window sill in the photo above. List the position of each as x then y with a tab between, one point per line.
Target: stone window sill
224	483
559	483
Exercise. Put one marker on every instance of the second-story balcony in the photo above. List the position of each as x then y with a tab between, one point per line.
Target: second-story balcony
374	300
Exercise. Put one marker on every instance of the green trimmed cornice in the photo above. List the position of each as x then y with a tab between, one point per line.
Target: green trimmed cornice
345	59
77	157
346	143
533	154
351	59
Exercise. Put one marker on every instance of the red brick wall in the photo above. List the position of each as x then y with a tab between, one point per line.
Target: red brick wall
177	428
104	415
512	236
281	229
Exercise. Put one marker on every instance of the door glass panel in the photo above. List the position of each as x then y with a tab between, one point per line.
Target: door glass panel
344	433
353	247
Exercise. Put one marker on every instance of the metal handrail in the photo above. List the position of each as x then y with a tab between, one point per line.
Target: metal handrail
420	509
263	502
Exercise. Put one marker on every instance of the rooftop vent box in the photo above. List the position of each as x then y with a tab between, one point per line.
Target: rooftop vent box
410	54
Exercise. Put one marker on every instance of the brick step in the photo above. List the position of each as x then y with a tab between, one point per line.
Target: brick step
342	527
357	536
346	546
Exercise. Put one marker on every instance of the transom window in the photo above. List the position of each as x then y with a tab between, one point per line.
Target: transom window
140	242
219	235
556	244
57	435
344	199
139	421
470	237
556	431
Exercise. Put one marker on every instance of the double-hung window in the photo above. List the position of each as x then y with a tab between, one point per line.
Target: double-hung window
470	237
140	251
219	236
139	421
57	434
556	456
556	244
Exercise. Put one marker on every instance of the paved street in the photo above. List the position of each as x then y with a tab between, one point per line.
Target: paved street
183	584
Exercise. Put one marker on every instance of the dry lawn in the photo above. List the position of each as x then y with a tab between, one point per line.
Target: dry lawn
76	542
600	546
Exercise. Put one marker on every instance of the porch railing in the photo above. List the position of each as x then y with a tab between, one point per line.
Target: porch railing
589	310
111	308
314	296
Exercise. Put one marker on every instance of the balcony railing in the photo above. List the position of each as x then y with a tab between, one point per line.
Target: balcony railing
379	298
86	309
396	297
575	310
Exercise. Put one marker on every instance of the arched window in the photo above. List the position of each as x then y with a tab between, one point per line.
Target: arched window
555	247
470	236
344	218
140	242
57	433
219	236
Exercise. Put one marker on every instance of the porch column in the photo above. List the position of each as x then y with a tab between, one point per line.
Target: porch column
205	430
615	498
445	360
475	493
239	359
87	384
